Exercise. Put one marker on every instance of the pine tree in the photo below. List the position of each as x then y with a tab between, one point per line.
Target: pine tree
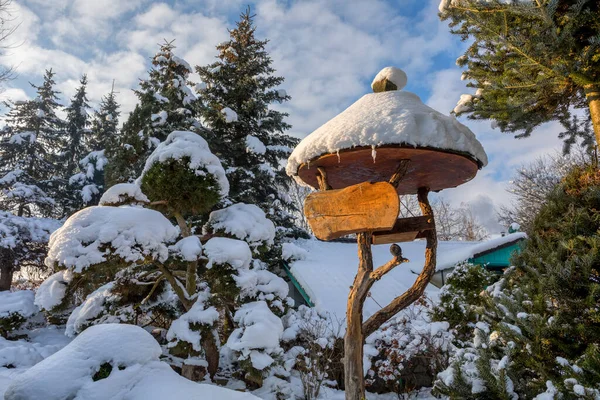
28	150
246	134
531	62
103	138
166	104
536	330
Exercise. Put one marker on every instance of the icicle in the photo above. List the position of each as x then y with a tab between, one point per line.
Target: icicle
308	165
373	153
338	155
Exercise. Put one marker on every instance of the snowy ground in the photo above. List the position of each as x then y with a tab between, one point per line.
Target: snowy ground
144	378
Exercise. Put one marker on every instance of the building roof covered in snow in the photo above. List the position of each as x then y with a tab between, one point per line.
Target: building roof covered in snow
325	270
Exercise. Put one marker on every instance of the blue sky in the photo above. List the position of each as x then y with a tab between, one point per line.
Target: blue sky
328	51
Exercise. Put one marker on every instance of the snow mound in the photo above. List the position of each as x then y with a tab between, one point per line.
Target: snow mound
189	248
387	118
123	193
136	372
133	233
254	145
227	251
262	284
180	144
52	291
245	222
230	115
19	302
290	251
14	230
392	74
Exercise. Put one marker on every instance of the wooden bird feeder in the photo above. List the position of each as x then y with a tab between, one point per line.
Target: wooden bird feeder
386	144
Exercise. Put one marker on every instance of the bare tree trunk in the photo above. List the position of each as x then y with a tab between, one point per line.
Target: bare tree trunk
6	276
354	340
211	352
592	93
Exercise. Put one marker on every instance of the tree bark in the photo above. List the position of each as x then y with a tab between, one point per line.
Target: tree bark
211	352
592	94
192	267
6	276
417	289
353	340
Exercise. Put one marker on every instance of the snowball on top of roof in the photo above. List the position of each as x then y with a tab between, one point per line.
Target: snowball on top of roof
133	233
391	117
392	74
180	144
123	193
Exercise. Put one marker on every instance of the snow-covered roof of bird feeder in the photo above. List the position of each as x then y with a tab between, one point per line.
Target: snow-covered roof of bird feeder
367	141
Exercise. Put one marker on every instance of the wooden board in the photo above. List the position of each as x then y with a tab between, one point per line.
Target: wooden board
359	208
429	168
404	230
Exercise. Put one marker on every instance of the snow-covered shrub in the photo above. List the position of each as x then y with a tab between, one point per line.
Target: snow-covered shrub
315	352
184	174
110	362
15	308
408	351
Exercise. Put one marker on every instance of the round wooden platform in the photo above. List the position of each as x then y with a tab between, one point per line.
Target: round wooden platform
430	168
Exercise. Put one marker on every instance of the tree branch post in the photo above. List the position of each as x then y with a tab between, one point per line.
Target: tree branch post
592	94
192	266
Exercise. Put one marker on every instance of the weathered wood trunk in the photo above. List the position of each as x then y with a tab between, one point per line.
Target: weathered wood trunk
354	340
211	352
592	93
6	276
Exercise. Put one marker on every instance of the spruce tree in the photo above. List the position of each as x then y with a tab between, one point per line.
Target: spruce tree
246	133
103	135
29	147
531	62
74	143
166	104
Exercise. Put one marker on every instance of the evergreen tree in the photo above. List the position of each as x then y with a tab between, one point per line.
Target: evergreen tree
165	105
531	62
536	330
246	134
75	147
103	135
29	152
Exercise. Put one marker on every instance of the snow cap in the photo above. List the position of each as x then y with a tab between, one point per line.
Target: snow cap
388	117
389	78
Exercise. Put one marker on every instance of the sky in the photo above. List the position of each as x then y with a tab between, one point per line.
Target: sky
327	50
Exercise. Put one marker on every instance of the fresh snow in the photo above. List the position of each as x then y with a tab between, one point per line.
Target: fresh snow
133	233
260	329
180	329
254	145
290	251
123	193
52	291
19	302
234	252
387	118
392	74
189	248
230	115
137	373
89	309
244	221
185	144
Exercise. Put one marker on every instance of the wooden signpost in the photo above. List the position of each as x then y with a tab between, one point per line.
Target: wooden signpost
359	208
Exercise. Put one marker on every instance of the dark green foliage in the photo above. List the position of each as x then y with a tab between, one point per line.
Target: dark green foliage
531	61
103	372
461	303
242	80
542	318
184	191
9	323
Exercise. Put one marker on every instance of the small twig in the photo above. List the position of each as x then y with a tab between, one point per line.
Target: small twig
322	179
401	170
158	281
